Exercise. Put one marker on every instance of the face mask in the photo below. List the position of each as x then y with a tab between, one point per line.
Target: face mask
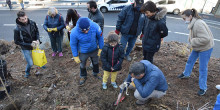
187	22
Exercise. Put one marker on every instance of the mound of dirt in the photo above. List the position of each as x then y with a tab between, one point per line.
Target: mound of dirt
57	85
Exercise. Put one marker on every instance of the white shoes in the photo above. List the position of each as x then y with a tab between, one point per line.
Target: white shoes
218	87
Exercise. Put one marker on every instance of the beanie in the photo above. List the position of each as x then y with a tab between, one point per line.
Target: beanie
84	23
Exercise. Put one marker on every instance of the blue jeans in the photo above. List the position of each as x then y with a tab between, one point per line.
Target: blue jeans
28	58
203	66
130	39
22	5
56	41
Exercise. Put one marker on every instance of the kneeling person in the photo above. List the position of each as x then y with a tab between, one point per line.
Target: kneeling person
149	81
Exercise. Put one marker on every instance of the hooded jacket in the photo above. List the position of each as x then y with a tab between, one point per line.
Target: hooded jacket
86	43
126	18
112	57
22	37
97	17
155	29
200	36
153	79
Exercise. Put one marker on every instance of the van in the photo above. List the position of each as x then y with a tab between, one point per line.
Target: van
173	6
113	5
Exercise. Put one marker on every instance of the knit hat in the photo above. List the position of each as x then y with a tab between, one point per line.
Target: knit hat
139	3
84	24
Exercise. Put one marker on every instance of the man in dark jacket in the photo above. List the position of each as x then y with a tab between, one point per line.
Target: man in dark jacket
154	31
130	23
148	79
95	14
26	35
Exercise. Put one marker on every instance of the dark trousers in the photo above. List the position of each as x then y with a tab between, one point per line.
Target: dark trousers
148	56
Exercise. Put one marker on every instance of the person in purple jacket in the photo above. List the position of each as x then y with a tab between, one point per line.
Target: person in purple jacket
148	79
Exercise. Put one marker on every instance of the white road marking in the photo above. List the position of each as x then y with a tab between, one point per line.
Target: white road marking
109	26
181	33
9	24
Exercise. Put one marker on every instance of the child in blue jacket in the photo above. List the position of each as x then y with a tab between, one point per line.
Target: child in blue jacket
112	57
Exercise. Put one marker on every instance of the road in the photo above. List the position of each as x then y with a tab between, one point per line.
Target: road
177	28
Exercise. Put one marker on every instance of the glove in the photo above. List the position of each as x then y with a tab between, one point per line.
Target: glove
36	43
68	28
142	35
99	52
54	29
117	32
33	44
77	60
49	29
124	85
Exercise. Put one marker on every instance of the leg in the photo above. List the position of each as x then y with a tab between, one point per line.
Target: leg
22	5
53	43
131	42
95	61
154	94
105	76
124	41
149	56
190	63
204	58
59	42
113	76
28	58
83	58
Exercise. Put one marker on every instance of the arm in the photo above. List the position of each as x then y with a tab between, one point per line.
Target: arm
128	79
202	37
104	58
99	36
37	32
146	89
121	18
163	29
62	25
120	59
74	44
46	23
18	40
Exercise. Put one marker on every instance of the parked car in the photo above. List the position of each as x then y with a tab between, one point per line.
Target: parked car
173	6
113	5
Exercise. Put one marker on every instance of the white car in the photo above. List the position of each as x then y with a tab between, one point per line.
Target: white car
113	5
173	6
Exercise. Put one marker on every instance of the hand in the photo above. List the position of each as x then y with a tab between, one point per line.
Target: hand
112	68
54	29
49	29
117	32
142	35
124	85
68	28
77	60
33	44
132	79
99	52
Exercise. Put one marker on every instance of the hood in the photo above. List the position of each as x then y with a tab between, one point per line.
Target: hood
20	23
192	23
161	13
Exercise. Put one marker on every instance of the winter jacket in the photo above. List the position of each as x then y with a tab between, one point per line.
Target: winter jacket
126	18
154	30
153	79
22	37
200	36
97	17
86	43
53	22
112	57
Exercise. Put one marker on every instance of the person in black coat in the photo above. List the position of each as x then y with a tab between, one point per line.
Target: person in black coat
112	57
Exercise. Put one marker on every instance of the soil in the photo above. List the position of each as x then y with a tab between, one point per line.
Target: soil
57	85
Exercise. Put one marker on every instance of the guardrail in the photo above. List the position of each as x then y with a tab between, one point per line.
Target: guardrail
47	3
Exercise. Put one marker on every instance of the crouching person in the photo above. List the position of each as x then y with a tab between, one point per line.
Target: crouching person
83	42
149	81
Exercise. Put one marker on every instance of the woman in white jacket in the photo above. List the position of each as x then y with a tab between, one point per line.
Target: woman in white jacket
201	41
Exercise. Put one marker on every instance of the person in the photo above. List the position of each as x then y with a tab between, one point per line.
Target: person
154	31
83	42
95	14
130	24
9	4
71	19
201	41
22	4
54	25
148	79
217	103
112	57
26	35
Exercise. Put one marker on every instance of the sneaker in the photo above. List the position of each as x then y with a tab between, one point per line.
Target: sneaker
54	54
26	75
82	81
60	54
128	58
181	76
104	85
217	87
114	85
201	92
140	102
99	76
